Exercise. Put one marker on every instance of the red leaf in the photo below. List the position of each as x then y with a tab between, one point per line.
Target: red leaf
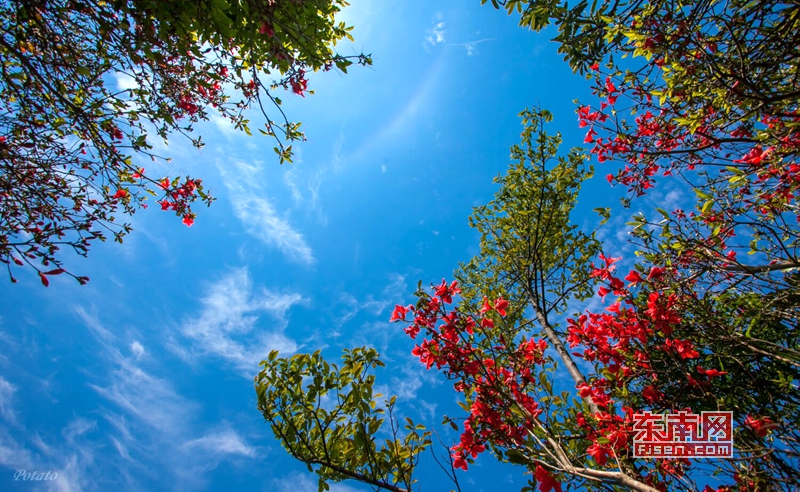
44	280
57	271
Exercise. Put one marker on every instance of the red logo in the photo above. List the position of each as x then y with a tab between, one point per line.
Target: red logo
683	435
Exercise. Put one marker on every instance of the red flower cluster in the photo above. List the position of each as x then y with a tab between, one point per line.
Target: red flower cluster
466	348
178	198
299	83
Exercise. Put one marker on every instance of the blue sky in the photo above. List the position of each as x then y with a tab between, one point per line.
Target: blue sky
142	379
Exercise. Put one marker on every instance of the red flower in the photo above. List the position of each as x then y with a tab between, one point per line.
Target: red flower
500	305
609	261
459	461
299	84
655	273
634	277
472	367
755	156
188	219
446	292
546	480
486	306
761	426
595	66
610	87
711	373
651	394
599	453
412	331
121	193
684	348
399	314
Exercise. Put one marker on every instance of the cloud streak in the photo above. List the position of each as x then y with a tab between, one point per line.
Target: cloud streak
435	35
260	218
152	428
224	441
471	47
228	323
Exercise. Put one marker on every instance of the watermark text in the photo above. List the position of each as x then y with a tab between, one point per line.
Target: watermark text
33	475
683	435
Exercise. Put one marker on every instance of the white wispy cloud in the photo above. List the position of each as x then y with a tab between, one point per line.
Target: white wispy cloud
228	323
259	216
66	459
262	221
471	47
304	187
125	82
222	442
151	423
7	391
137	349
435	35
78	427
392	293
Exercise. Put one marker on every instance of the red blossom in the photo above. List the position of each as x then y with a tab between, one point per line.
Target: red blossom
446	292
761	426
486	306
634	278
546	480
651	394
755	156
399	314
599	453
299	83
711	373
500	305
610	87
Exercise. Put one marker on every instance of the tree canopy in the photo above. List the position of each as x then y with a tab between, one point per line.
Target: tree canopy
73	140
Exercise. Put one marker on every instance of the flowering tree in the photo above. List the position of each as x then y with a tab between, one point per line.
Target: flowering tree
71	140
508	349
507	352
701	98
713	112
